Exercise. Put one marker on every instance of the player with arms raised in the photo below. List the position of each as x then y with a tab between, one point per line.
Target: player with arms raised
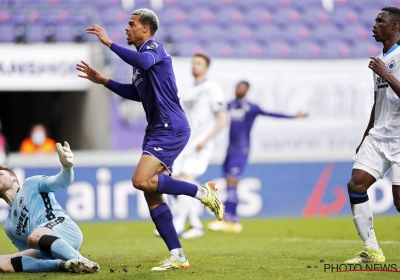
380	146
153	84
243	114
46	237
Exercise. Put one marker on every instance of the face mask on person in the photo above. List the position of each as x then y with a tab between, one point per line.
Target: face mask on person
38	137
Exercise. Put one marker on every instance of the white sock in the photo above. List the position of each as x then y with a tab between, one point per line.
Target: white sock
194	216
363	220
178	255
184	204
202	192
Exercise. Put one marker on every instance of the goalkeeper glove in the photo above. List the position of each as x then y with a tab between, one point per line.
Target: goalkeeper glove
66	156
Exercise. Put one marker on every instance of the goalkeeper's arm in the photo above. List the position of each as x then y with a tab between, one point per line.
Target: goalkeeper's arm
66	177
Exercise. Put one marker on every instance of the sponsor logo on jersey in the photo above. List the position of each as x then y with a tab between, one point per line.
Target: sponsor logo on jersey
381	83
391	65
135	74
22	221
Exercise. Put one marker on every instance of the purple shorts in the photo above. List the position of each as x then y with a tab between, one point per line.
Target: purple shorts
166	146
234	165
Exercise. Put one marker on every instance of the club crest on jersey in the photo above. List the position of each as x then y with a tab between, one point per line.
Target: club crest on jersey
390	66
21	201
152	46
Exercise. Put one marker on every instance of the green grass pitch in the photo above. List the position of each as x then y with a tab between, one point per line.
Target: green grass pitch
266	249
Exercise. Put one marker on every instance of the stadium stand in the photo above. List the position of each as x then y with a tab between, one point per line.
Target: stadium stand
222	28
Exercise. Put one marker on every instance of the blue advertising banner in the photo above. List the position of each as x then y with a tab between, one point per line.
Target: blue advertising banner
266	190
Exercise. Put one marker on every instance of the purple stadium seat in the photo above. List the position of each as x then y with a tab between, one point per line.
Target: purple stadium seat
219	49
335	50
277	5
7	31
354	33
161	34
256	17
114	16
65	32
285	17
270	33
229	16
40	32
116	32
248	50
315	16
200	16
305	50
189	49
172	16
277	50
365	49
209	34
297	33
344	16
304	5
370	4
368	15
182	33
4	16
326	33
192	4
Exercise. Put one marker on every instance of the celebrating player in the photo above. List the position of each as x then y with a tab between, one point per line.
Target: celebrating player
379	148
46	237
243	113
205	108
167	132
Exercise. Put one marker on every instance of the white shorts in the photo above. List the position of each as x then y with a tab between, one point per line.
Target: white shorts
192	162
376	156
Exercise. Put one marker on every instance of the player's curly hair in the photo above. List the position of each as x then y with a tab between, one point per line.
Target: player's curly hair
148	17
394	13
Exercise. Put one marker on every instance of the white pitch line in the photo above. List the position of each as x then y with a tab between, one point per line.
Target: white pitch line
299	239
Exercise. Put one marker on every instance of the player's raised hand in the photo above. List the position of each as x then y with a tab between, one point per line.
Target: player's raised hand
378	66
66	156
91	74
100	33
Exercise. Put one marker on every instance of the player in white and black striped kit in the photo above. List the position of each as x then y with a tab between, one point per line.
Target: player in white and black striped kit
379	150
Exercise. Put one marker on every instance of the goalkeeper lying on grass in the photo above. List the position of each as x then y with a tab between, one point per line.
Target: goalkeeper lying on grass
46	237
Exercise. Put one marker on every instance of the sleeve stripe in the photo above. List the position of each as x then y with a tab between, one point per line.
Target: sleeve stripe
152	56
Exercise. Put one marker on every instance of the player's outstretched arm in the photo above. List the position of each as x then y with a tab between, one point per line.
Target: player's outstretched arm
91	73
140	60
282	116
66	177
127	91
379	67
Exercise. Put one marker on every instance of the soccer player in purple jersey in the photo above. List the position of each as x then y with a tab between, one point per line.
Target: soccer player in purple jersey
167	132
243	113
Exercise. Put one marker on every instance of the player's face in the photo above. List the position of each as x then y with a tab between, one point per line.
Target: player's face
6	181
199	66
241	90
384	27
135	30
